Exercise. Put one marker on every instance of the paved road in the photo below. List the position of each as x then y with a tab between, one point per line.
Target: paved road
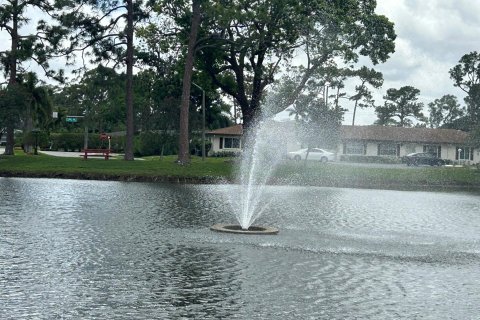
59	153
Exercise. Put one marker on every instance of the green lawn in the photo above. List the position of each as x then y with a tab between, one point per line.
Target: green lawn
371	177
215	169
148	168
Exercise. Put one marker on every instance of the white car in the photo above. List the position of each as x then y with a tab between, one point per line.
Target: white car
314	154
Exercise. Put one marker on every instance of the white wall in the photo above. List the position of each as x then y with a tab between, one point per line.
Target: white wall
215	140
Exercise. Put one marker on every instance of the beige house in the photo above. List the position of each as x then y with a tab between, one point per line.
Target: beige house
374	141
226	139
398	141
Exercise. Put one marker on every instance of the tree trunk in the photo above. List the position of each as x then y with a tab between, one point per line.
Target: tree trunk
12	66
354	112
27	147
129	84
183	141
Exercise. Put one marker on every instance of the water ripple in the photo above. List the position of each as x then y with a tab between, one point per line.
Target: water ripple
100	250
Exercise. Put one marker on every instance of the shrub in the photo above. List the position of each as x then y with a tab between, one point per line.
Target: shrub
196	146
151	143
370	159
74	141
67	141
224	154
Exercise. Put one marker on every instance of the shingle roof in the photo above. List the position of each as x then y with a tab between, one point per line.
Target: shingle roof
380	133
400	134
236	130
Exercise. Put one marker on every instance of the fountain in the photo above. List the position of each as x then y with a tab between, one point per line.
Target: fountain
264	147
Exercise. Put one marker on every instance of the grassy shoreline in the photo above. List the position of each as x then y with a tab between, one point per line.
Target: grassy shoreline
221	170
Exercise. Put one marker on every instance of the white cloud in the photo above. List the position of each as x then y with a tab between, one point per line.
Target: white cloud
432	35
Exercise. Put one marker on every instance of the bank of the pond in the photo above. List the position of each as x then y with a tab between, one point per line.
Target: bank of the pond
221	170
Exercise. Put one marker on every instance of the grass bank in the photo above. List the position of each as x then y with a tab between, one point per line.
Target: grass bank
213	170
400	178
148	169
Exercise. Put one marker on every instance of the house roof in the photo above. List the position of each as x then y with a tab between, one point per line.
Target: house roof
400	134
236	130
380	133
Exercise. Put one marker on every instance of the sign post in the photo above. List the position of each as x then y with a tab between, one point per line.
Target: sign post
74	119
104	136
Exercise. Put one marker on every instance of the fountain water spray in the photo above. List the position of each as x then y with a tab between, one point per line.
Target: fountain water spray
264	148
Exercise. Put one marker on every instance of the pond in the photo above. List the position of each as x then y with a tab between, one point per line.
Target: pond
117	250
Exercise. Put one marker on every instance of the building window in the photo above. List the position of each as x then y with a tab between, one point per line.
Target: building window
388	149
433	149
231	143
354	147
464	153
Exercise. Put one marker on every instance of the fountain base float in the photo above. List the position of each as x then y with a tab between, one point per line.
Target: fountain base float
232	228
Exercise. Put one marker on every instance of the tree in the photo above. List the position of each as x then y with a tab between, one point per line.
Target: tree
466	76
12	106
319	125
363	97
35	47
107	29
400	106
183	141
99	96
251	40
318	121
474	138
444	111
38	106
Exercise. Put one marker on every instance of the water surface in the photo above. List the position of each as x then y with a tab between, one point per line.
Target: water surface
114	250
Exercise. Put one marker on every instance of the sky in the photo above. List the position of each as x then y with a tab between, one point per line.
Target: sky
432	36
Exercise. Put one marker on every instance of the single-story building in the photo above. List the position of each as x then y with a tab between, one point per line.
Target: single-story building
398	141
373	140
227	139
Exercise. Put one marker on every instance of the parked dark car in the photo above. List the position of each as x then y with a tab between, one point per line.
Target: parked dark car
423	158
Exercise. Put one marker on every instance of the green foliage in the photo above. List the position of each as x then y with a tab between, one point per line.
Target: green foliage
42	138
39	103
36	46
247	41
13	102
474	137
226	154
156	143
400	106
99	26
466	76
444	111
196	146
99	96
74	141
370	159
67	141
363	96
318	123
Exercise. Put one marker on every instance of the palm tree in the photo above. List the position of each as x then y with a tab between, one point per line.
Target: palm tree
38	106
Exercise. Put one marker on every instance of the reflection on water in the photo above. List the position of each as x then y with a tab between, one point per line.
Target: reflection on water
114	250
